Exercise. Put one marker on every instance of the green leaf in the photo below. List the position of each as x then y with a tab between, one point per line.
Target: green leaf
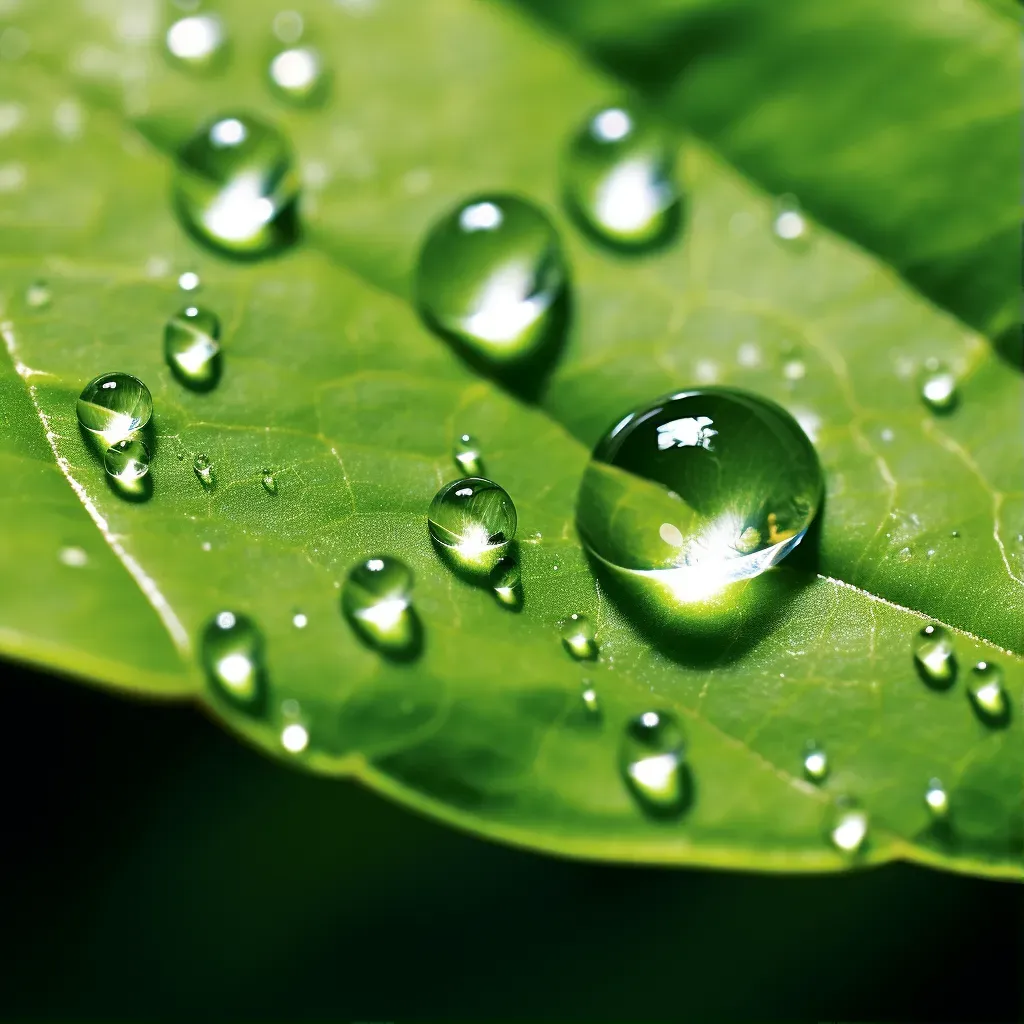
331	381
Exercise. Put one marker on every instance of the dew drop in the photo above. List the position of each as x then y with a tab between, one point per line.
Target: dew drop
114	406
466	453
377	600
698	490
789	224
934	657
192	347
651	758
189	281
618	178
203	469
578	637
300	620
38	295
298	76
232	654
590	699
197	42
848	826
489	275
295	737
236	186
473	521
507	582
269	482
127	463
938	387
73	557
936	800
288	26
815	762
987	695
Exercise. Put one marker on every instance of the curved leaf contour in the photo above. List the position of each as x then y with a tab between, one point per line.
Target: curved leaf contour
331	382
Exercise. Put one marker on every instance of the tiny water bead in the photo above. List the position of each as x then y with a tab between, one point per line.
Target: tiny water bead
489	274
936	800
38	295
699	489
848	826
269	481
236	186
114	406
618	178
197	42
295	737
578	637
789	223
815	762
377	599
987	694
300	620
466	453
934	657
203	469
652	761
507	582
192	347
297	75
189	281
938	387
590	699
474	521
127	463
232	654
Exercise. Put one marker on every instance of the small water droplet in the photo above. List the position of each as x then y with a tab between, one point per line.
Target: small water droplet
651	758
114	406
298	76
474	521
466	453
938	387
38	295
127	464
232	654
848	826
591	701
955	533
377	599
198	42
300	620
189	281
619	179
295	737
203	469
578	637
730	474
987	695
269	482
816	764
490	274
192	347
288	26
936	799
73	557
507	583
236	186
934	657
794	369
789	224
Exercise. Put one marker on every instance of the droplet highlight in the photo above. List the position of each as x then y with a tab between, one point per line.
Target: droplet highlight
232	654
578	637
466	453
987	694
848	827
197	42
192	347
815	761
789	224
652	761
938	387
127	464
590	699
473	521
934	656
377	600
936	800
114	406
297	75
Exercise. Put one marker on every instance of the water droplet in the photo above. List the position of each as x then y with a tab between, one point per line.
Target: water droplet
934	657
789	224
73	557
297	75
987	695
236	186
127	463
269	482
203	469
815	762
651	758
591	701
474	521
300	620
232	654
377	599
489	274
466	453
618	179
294	737
38	295
954	533
938	387
698	490
288	26
936	799
189	281
198	42
848	827
192	348
578	637
113	406
507	583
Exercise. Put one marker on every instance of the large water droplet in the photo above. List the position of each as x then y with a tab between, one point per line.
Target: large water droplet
987	694
934	657
618	178
473	520
815	762
298	76
232	654
192	348
698	490
203	469
114	406
198	42
377	599
652	761
236	186
127	464
936	800
578	637
466	453
938	387
490	274
848	826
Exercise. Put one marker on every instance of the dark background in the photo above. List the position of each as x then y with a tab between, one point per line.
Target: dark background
153	868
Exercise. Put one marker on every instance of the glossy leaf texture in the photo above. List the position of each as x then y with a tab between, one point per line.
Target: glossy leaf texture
331	384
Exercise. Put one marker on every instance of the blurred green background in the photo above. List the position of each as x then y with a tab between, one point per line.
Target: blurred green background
156	869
